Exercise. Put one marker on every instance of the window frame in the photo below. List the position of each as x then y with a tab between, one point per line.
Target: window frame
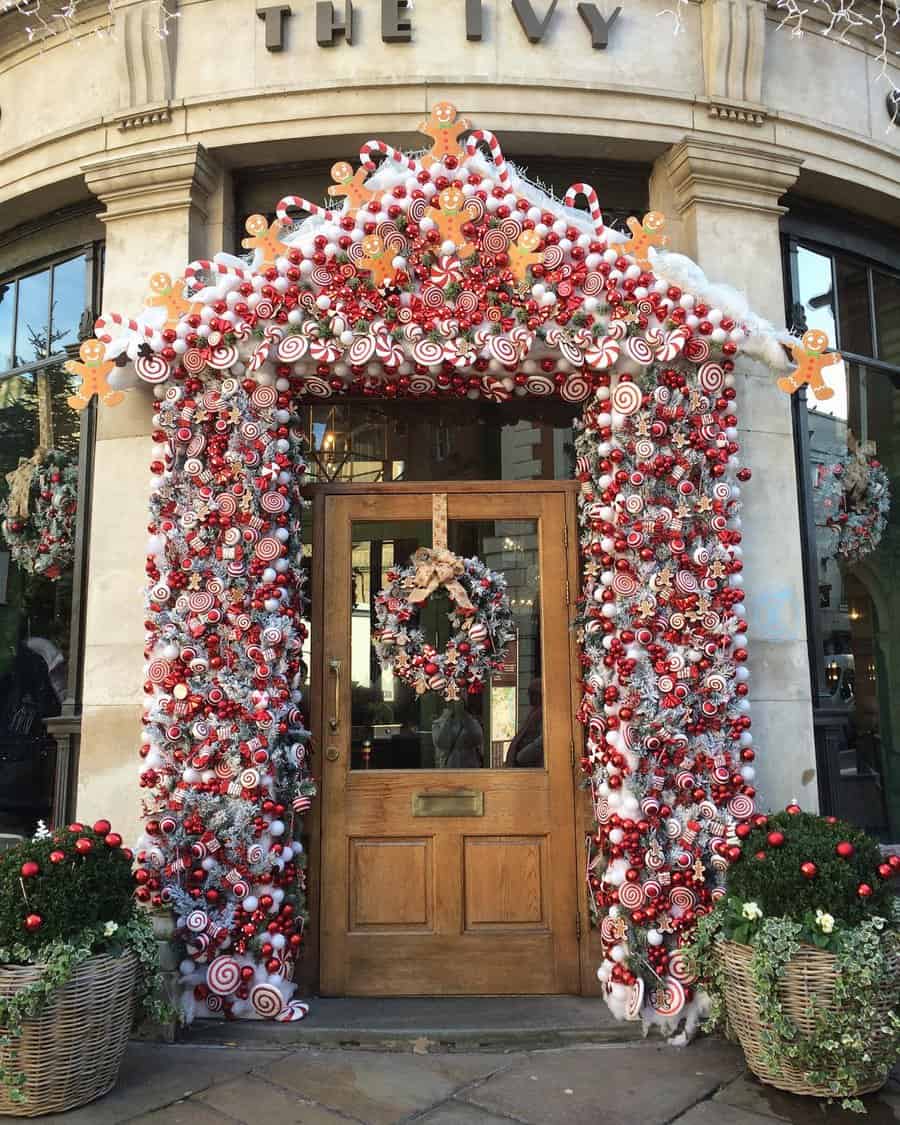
828	722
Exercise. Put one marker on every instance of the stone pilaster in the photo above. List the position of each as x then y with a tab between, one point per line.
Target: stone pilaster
158	210
724	197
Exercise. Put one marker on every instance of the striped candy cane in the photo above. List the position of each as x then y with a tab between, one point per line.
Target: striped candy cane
365	156
284	205
102	323
472	142
202	265
593	203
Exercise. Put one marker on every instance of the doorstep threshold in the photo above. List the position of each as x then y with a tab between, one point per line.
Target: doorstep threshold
429	1024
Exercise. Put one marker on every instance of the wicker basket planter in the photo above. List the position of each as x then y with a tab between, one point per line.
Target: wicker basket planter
71	1051
807	987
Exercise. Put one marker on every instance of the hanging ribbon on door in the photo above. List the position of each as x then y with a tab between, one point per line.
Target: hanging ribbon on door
480	615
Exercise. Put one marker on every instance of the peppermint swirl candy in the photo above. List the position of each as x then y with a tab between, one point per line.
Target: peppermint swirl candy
707	810
251	431
593	284
626	398
666	684
318	388
668	998
268	549
229	387
683	897
718	523
361	350
617	329
249	778
503	350
644	449
677	620
255	852
601	809
673	828
710	621
201	601
686	582
672	345
721	490
157	670
292	347
553	257
511	227
214	1003
711	377
624	584
540	385
197	921
320	275
634	504
223	975
495	241
223	770
655	860
265	309
273	503
696	349
634	1001
608	933
267	1001
272	635
427	352
222	357
196	445
494	314
576	388
421	384
152	368
637	348
418	209
433	297
475	209
160	593
715	682
741	807
194	361
720	865
631	895
263	398
466	303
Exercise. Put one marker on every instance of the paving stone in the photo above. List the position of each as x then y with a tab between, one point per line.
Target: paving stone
460	1113
155	1074
649	1083
713	1113
379	1089
182	1113
749	1094
254	1100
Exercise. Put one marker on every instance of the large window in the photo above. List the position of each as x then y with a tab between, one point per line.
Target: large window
43	311
853	607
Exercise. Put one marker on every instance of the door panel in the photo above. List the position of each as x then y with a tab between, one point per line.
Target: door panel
448	838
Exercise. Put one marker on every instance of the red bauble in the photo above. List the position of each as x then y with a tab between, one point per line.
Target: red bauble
33	923
864	890
101	827
845	849
83	845
742	831
112	840
775	839
57	857
809	870
760	856
30	869
793	808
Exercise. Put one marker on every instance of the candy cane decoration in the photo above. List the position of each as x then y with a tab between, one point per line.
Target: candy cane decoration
365	156
593	203
284	205
472	142
204	266
102	322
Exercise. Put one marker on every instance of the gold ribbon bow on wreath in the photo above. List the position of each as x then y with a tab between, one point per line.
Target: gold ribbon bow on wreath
19	481
435	567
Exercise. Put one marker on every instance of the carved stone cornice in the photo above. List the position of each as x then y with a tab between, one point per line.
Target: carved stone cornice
131	119
738	113
731	174
162	179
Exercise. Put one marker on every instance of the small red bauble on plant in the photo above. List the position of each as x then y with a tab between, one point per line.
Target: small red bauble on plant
30	869
809	870
775	839
844	849
33	923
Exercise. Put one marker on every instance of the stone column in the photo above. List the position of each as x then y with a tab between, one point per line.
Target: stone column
161	210
723	194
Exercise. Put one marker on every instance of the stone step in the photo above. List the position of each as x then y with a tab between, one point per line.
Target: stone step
425	1024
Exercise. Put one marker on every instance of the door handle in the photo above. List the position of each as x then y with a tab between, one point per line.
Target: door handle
335	721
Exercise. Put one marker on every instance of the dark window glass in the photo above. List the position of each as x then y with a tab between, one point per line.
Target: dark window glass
7	312
855	320
816	290
69	301
887	317
33	319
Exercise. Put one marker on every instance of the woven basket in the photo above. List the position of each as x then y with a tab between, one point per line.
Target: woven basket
807	987
71	1051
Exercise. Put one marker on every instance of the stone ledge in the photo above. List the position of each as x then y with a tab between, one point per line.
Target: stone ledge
148	115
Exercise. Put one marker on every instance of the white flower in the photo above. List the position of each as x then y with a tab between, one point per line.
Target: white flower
110	928
751	912
42	832
824	921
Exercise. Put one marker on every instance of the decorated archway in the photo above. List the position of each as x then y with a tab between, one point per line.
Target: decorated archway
441	274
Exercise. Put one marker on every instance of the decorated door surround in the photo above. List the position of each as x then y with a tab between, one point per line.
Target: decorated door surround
443	274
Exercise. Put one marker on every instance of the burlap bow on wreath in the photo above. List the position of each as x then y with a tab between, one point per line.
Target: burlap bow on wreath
436	567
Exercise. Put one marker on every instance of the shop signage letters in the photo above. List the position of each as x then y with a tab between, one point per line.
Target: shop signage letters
334	20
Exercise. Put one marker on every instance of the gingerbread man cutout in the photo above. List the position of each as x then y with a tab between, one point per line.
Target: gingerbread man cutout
92	371
378	260
350	185
523	254
444	131
644	235
169	295
810	357
450	218
264	237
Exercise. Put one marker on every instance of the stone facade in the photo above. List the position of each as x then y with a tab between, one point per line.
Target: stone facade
149	130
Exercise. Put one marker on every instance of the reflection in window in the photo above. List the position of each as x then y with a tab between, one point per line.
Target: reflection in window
887	317
40	313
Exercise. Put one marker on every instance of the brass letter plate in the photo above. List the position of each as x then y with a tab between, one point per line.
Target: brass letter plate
465	802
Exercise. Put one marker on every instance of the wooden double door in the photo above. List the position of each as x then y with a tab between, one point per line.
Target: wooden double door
448	830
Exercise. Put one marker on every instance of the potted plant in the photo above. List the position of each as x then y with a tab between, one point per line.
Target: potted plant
78	961
801	956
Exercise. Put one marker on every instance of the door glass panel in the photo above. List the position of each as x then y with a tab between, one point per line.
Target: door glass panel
501	726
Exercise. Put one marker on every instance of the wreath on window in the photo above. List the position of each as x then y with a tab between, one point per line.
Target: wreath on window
854	501
38	515
481	618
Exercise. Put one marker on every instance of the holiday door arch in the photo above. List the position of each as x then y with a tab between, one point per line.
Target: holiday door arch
449	274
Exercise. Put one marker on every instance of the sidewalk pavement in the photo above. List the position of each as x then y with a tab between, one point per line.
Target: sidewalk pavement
646	1082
